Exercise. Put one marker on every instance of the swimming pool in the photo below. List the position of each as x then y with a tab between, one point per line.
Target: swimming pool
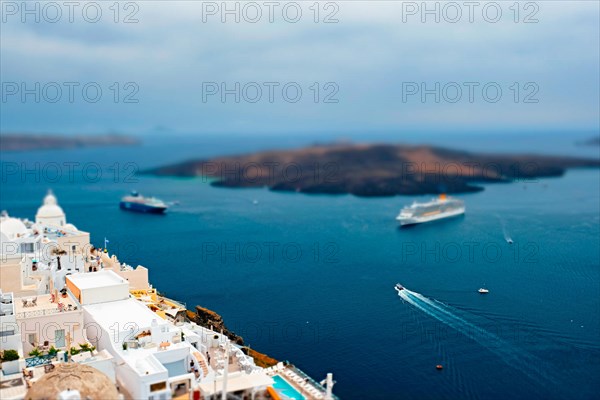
284	388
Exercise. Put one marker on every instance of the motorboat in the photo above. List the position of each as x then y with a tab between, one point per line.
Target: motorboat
483	290
398	287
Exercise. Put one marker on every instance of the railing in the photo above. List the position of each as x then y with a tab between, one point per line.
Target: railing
39	360
303	375
40	313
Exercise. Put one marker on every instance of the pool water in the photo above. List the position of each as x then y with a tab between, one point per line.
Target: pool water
284	388
175	368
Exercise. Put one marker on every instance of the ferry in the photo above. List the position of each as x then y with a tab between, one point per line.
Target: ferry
435	209
136	202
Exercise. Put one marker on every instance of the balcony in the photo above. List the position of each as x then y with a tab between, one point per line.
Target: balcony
38	306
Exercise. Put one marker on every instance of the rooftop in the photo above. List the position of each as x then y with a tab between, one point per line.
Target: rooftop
96	280
123	312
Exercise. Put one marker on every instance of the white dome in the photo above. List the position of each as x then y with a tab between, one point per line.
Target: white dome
50	199
11	227
50	211
70	227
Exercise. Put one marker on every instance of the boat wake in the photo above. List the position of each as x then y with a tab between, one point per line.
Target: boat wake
505	232
516	358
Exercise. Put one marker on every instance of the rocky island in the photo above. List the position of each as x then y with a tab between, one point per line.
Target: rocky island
373	169
29	141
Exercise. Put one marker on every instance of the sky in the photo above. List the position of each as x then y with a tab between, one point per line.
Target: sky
191	67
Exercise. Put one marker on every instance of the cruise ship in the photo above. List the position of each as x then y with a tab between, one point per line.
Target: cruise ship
138	203
435	209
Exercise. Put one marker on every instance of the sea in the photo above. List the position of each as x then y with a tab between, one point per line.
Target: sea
310	278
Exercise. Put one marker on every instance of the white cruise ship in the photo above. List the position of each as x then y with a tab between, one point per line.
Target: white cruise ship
437	208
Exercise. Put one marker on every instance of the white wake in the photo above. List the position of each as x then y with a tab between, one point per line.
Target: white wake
516	358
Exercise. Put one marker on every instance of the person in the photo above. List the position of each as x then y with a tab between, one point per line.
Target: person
208	357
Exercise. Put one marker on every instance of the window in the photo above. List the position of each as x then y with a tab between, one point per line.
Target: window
59	337
155	387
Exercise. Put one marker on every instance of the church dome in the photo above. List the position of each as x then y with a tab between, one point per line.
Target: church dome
12	227
50	211
50	199
88	381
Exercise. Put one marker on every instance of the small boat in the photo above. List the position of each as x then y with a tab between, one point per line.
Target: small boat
136	202
509	241
399	287
439	367
483	290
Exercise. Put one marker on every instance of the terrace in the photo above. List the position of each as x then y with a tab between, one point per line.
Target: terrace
47	304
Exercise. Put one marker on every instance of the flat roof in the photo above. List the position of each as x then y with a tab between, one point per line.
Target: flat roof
103	278
123	312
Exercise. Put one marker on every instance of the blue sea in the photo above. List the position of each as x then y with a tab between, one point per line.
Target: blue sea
309	278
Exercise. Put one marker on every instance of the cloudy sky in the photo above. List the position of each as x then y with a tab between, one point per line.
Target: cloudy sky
190	67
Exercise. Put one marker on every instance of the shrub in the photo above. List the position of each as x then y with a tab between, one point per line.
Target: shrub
74	351
35	352
86	347
10	355
52	351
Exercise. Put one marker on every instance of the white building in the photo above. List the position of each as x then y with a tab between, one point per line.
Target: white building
35	255
10	336
73	294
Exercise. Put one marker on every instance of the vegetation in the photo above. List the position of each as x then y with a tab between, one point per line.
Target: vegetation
86	347
53	351
10	355
73	351
35	352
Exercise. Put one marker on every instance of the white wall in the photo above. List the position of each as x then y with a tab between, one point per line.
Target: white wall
45	326
104	294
